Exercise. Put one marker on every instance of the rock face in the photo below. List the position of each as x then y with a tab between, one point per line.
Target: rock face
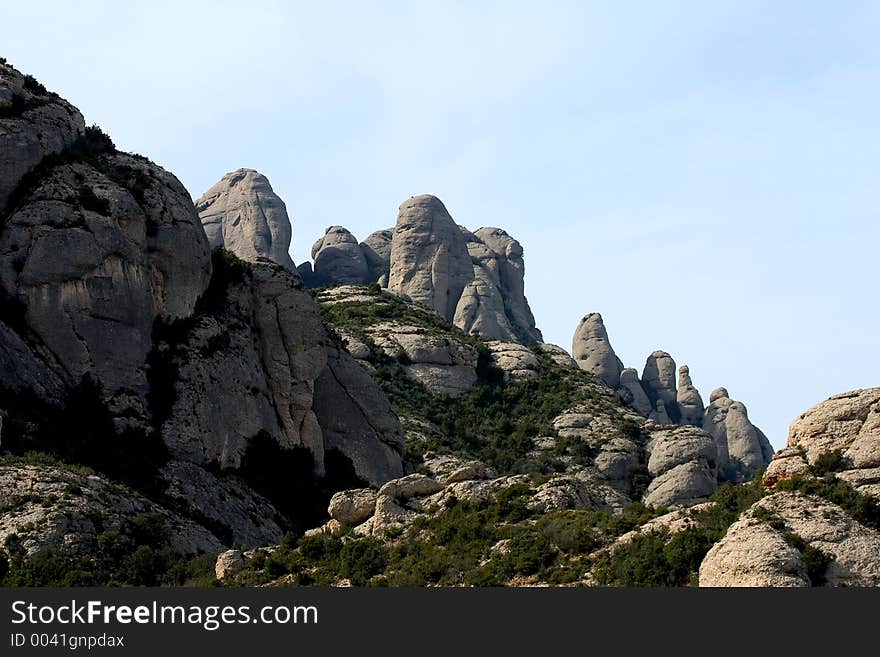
690	404
50	507
242	214
511	274
682	463
592	350
34	123
339	259
658	380
377	252
766	546
633	393
357	420
848	423
743	449
516	361
94	262
248	367
761	549
429	257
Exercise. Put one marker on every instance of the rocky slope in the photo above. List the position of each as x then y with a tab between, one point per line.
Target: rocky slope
821	525
127	347
171	388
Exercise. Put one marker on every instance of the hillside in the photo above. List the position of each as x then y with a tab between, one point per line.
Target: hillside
182	404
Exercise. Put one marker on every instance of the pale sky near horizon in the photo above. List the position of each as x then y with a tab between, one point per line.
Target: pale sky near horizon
704	174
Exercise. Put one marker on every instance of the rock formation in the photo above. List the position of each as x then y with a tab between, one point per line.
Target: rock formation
834	446
377	252
34	123
430	263
766	546
658	380
338	259
592	350
511	274
93	274
682	462
108	285
743	449
690	404
633	393
244	215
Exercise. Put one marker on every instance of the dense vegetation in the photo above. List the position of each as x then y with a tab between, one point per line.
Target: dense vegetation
497	421
481	543
657	559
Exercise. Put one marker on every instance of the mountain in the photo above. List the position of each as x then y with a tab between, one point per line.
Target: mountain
180	403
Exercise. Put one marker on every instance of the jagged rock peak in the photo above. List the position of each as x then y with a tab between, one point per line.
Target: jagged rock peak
593	352
244	215
430	262
690	403
339	259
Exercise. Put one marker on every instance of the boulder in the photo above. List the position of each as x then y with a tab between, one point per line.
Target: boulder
229	563
414	485
244	215
515	360
673	446
848	423
763	548
352	507
683	485
558	355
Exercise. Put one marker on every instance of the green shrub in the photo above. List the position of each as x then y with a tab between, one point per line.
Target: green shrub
828	462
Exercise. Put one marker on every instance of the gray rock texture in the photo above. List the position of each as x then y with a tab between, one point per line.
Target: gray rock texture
356	418
659	381
377	252
592	351
338	259
244	215
757	551
50	507
249	367
95	263
690	404
743	449
632	392
682	463
429	257
35	124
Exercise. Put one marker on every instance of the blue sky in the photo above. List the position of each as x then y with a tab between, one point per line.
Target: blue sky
705	175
